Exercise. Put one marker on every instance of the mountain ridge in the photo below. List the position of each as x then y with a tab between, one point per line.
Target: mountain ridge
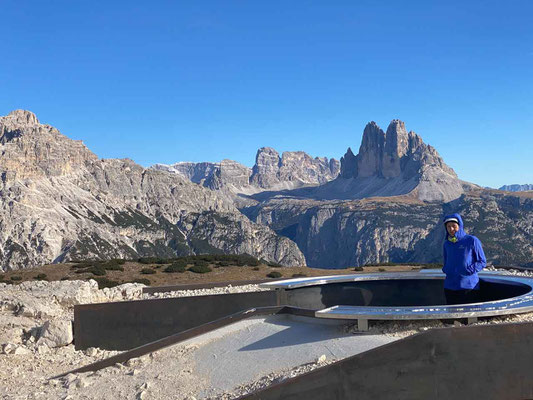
59	202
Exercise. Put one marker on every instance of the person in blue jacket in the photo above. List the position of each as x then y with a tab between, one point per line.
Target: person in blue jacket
463	259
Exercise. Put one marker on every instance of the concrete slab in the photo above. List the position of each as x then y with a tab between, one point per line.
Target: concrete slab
251	349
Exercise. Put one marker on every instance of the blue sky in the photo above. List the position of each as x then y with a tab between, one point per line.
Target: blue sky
167	81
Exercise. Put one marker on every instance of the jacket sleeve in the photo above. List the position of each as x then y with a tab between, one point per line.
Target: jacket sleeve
444	256
478	258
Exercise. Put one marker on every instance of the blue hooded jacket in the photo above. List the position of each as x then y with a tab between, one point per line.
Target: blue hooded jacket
462	259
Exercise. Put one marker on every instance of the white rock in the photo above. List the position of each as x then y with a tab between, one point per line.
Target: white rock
20	350
91	352
142	395
42	348
9	348
56	333
321	359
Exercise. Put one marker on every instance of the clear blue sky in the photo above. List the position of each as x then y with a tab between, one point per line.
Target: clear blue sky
167	81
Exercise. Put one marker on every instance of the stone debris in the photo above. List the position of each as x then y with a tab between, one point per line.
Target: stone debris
203	292
56	333
36	345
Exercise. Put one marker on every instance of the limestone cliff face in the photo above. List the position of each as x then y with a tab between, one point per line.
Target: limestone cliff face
58	202
32	150
339	234
517	188
391	163
271	172
293	169
227	174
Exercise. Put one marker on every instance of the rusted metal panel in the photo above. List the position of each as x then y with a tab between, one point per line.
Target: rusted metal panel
487	361
129	324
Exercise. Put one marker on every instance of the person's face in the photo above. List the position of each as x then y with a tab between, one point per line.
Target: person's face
452	228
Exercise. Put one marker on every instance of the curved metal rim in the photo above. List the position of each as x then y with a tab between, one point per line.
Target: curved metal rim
512	305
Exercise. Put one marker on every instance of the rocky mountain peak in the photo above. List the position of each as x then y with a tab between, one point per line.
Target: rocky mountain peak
389	154
30	149
24	117
398	162
292	169
396	139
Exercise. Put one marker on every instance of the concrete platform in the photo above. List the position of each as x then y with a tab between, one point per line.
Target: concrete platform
251	349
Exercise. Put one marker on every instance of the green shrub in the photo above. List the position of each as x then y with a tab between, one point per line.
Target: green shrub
274	265
224	263
148	271
105	282
144	281
16	278
153	260
299	275
65	278
40	277
201	263
381	269
359	269
83	264
274	274
175	267
96	270
200	269
256	268
112	265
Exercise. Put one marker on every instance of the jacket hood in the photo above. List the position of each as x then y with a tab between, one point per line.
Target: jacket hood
460	233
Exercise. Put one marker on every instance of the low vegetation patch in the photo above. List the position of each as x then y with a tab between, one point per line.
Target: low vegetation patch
16	278
144	281
98	268
40	277
274	265
274	274
153	260
200	269
148	271
105	282
175	267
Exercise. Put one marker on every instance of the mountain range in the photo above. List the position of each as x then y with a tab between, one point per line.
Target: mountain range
517	188
60	202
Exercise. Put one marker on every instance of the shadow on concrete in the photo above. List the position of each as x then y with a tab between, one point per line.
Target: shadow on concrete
297	333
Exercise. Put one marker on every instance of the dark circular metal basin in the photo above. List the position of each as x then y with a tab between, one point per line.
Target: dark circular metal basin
406	295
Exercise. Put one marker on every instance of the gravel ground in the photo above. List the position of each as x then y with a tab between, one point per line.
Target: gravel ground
34	333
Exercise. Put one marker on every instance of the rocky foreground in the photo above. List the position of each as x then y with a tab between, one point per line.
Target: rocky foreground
36	345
